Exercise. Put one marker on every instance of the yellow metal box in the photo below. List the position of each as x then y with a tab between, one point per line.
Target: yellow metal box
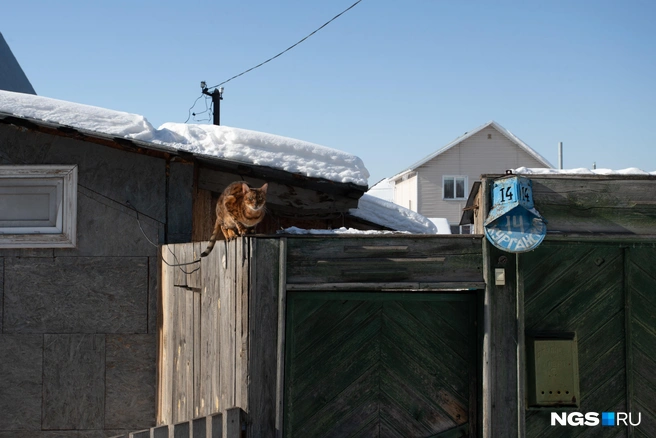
553	372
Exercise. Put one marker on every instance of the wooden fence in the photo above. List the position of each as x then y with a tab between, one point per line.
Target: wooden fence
229	424
222	327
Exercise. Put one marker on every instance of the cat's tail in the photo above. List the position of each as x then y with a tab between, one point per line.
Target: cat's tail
210	246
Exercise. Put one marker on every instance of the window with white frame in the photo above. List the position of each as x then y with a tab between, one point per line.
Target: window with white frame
38	206
454	187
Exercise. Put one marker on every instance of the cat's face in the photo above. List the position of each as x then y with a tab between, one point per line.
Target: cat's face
255	199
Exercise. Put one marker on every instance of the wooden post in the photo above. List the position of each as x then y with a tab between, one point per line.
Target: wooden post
232	423
501	341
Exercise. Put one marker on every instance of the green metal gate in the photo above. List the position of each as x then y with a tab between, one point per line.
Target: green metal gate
373	364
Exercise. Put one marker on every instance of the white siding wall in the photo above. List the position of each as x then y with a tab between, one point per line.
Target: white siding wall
474	157
405	193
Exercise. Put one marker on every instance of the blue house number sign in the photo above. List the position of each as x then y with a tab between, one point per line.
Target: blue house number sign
513	224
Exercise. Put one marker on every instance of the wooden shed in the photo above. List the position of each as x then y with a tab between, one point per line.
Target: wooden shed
79	290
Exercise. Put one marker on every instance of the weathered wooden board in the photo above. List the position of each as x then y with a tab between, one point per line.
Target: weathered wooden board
263	335
210	333
396	259
130	381
166	313
183	366
227	329
21	377
242	322
76	295
586	205
203	215
73	382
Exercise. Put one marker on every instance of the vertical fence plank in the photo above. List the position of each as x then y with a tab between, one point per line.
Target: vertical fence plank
165	332
184	337
196	284
210	337
265	281
161	432
199	428
227	324
241	320
182	430
216	423
232	423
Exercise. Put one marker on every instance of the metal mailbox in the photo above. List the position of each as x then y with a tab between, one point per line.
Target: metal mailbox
553	372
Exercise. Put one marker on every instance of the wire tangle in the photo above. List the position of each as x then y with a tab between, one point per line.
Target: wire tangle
177	262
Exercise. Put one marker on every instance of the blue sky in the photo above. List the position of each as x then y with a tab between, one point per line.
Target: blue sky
389	81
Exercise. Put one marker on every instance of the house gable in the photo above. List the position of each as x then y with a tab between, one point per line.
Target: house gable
488	147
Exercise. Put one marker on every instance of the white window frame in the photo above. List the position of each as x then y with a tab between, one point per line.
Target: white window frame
454	177
56	187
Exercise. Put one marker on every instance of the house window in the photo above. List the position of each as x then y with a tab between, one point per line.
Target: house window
455	187
461	229
38	206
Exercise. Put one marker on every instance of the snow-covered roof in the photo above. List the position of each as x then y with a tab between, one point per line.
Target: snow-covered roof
383	190
581	171
337	231
215	142
442	225
509	135
390	215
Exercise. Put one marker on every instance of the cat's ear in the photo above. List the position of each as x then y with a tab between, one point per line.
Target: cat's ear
264	187
244	188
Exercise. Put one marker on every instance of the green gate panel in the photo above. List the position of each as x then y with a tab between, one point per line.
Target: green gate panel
579	289
379	364
641	287
606	294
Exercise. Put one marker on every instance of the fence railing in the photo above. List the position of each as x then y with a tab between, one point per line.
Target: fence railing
228	424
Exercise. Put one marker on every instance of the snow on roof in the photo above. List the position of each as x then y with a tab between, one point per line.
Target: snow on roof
442	225
512	137
581	171
383	190
342	230
392	216
221	142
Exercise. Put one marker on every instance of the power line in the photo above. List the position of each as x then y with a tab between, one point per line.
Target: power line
290	47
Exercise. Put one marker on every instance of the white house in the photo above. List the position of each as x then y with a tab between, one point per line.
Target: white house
439	184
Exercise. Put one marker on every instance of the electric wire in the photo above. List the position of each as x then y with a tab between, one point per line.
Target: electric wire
290	47
177	262
192	107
